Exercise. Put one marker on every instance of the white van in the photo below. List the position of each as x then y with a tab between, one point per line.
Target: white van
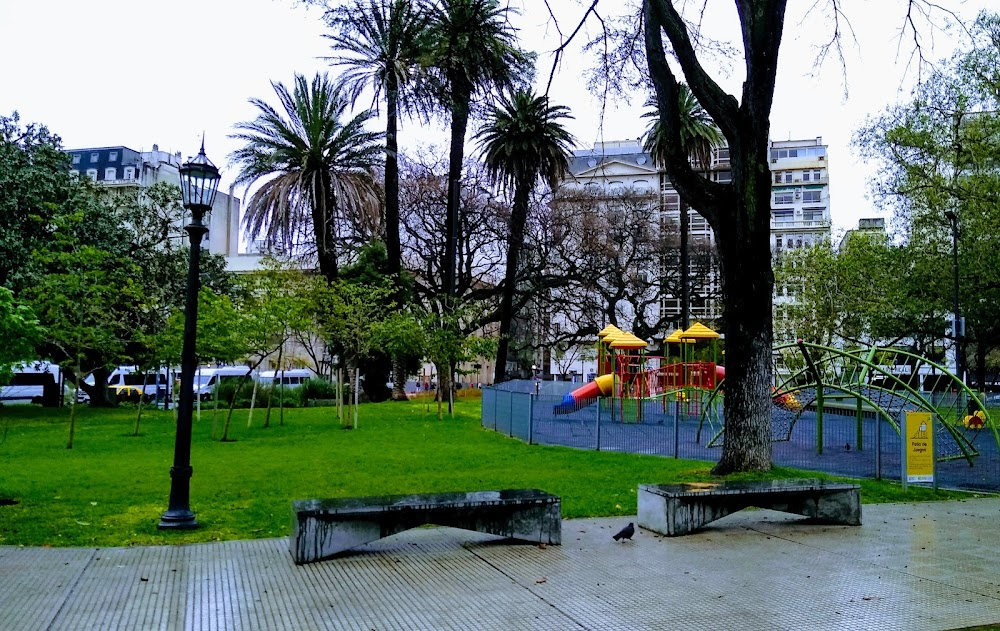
291	378
33	382
205	379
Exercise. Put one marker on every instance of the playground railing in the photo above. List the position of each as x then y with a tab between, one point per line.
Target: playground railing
840	443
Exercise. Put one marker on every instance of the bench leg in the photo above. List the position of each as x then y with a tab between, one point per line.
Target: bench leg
834	507
316	539
673	516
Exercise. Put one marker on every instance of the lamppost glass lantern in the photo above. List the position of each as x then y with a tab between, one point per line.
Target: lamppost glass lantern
199	181
199	184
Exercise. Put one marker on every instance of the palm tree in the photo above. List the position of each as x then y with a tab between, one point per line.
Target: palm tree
380	44
320	168
699	136
522	141
474	52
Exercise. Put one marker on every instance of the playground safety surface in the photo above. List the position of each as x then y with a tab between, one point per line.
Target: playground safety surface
910	566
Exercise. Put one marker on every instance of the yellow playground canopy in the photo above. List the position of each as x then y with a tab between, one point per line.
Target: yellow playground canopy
608	330
628	340
698	331
675	337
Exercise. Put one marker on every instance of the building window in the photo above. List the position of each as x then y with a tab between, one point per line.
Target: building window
784	197
113	156
76	158
783	216
812	215
811	196
94	156
74	173
129	173
671	203
799	152
777	177
813	176
92	174
110	174
724	176
615	184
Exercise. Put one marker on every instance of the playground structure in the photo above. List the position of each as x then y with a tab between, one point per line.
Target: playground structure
627	375
868	382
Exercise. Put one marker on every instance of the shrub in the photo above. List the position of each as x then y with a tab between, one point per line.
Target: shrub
317	389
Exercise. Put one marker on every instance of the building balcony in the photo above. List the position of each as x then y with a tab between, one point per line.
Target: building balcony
800	224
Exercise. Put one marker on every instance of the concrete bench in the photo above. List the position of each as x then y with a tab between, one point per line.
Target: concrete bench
323	528
678	509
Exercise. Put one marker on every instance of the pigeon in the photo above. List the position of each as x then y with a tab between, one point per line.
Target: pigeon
626	532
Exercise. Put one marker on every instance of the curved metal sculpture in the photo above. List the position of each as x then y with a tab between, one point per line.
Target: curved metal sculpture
876	380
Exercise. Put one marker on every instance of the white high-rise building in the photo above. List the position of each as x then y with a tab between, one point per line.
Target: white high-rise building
800	200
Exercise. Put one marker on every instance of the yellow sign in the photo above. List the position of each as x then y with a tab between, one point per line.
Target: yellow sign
919	447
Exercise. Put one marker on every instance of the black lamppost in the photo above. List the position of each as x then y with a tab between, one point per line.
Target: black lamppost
957	325
199	183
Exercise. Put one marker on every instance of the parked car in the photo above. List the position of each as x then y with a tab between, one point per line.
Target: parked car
130	394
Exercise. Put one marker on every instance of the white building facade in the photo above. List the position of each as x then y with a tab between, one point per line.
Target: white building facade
118	167
800	202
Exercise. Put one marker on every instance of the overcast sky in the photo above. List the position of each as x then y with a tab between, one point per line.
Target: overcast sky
109	72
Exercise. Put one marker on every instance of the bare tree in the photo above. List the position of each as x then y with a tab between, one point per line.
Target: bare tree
737	211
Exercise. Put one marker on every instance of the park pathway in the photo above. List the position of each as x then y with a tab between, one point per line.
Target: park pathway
910	566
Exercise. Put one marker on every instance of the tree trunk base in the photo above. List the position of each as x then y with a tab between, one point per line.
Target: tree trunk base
725	468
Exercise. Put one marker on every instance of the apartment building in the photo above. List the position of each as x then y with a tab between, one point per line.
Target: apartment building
800	209
118	167
800	194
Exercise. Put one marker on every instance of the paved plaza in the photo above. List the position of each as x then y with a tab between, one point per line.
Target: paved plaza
910	566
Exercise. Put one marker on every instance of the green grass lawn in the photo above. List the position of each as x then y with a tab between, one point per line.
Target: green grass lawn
111	488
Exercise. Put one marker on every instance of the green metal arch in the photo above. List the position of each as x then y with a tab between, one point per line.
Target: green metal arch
809	376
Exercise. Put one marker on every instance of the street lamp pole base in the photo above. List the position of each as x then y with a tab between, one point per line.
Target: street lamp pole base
177	520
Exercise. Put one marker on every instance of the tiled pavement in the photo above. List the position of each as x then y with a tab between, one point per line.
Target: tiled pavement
910	566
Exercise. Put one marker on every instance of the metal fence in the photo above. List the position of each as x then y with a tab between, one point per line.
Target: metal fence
838	443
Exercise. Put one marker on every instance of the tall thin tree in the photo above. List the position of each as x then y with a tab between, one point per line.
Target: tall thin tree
474	52
380	44
319	166
523	141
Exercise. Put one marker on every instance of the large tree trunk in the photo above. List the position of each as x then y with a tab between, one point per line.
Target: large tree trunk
515	239
98	393
747	289
738	212
323	229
